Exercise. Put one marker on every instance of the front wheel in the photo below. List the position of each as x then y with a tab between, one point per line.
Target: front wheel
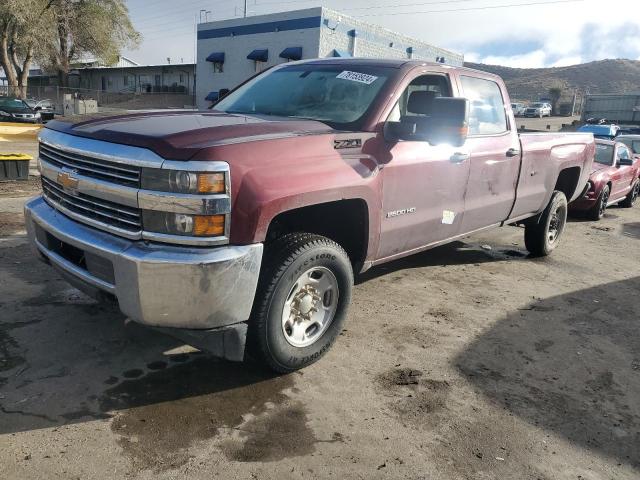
542	237
301	303
632	196
599	209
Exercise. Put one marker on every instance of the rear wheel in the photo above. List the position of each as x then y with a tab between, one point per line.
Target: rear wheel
302	301
632	196
599	209
542	237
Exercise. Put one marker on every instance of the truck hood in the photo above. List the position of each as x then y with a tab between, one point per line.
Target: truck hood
180	135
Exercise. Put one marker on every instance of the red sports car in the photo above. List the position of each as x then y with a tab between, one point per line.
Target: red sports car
614	179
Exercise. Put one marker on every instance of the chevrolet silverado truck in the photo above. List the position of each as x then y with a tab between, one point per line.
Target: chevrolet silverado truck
239	229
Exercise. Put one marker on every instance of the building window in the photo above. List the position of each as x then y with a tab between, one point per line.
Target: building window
181	78
217	67
157	80
125	80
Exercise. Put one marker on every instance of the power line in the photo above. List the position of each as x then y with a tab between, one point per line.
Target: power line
491	7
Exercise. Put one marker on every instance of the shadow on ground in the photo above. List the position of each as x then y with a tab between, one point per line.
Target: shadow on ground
65	359
455	253
569	364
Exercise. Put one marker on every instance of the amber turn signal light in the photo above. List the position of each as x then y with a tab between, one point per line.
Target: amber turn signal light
211	183
208	225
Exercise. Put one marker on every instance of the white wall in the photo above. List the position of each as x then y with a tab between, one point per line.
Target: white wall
237	68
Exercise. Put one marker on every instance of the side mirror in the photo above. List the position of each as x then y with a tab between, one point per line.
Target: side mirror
449	121
625	162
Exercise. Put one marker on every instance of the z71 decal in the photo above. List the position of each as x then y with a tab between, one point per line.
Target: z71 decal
347	143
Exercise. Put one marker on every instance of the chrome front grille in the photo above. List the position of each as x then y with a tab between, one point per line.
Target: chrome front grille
121	174
103	211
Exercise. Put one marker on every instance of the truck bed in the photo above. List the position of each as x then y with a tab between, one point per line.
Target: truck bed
544	155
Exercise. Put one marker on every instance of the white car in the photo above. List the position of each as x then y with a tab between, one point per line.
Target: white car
539	109
518	109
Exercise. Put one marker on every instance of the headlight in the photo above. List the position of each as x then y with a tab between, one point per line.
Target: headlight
37	115
183	224
179	181
2	112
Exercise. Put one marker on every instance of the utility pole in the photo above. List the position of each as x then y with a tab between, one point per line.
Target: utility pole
245	8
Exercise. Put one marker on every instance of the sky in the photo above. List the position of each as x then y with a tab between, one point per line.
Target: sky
515	33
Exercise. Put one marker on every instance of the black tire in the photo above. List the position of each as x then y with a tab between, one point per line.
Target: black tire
287	259
599	209
632	196
542	237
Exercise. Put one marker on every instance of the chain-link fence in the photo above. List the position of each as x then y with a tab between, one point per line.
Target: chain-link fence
106	101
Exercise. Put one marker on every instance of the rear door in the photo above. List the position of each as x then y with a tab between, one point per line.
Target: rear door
423	185
495	154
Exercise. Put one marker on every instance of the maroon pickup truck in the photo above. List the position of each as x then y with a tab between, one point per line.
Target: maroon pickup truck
244	225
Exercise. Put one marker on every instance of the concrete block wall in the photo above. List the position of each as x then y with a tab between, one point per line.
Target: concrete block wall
339	32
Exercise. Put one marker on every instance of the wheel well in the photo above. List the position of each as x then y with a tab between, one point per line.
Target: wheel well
345	222
568	181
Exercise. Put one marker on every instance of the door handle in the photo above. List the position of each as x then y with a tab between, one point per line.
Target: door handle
459	157
513	152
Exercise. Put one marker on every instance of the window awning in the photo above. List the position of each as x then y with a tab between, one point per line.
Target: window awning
216	57
291	53
341	53
259	55
212	96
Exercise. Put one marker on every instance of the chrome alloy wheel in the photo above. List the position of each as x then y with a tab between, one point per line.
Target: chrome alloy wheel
310	306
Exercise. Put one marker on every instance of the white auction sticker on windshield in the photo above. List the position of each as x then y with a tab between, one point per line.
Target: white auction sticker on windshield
357	77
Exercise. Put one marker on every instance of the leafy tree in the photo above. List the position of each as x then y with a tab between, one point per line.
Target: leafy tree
22	30
555	93
56	33
100	28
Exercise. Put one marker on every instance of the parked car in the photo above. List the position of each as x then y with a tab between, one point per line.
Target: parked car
604	132
249	220
628	130
518	109
538	110
45	107
16	110
632	142
614	180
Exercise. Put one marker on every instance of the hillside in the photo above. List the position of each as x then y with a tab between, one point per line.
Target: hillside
604	76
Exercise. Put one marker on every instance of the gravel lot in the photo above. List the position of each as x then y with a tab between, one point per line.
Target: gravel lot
470	361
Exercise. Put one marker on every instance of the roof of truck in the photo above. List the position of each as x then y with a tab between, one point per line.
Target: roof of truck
391	63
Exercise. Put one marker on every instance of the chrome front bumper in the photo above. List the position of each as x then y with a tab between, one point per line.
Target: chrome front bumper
154	284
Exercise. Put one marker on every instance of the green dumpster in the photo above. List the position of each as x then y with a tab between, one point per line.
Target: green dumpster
14	166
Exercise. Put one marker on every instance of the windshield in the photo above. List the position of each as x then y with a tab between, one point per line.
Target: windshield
12	103
338	95
633	144
604	154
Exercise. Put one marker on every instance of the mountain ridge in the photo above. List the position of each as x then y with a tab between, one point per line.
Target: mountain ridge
598	77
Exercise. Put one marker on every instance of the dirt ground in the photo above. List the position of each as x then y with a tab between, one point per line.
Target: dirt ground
470	361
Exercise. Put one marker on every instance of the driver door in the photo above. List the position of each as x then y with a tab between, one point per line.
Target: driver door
424	186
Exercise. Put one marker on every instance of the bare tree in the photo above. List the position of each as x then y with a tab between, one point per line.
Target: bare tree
556	94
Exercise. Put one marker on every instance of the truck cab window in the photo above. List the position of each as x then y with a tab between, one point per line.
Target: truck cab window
414	104
487	115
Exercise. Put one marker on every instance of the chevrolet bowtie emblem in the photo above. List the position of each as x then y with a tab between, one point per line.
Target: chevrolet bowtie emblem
68	181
